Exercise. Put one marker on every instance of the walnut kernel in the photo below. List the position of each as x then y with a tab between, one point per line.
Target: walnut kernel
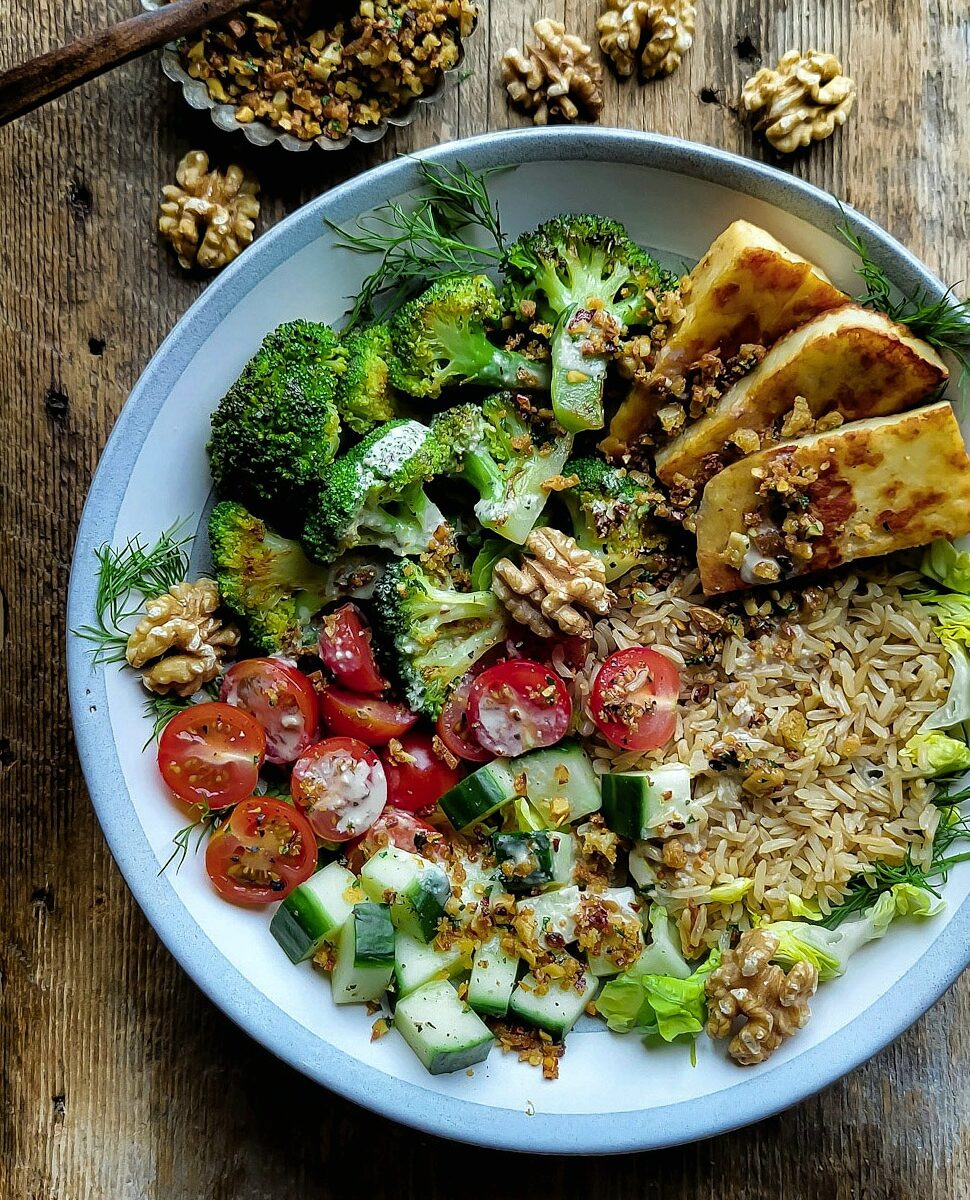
749	988
555	78
653	35
552	587
208	217
183	637
801	101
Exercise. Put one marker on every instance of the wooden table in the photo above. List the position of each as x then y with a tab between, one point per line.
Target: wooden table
118	1079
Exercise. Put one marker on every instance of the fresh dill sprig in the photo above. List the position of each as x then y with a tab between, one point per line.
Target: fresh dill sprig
207	822
161	709
125	577
944	322
426	241
865	890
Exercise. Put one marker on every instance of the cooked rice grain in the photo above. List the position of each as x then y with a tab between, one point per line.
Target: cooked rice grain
864	669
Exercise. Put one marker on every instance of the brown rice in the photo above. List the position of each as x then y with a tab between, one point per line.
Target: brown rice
864	669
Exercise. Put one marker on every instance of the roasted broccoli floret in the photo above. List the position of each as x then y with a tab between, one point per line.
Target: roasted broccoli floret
276	430
507	456
439	339
374	495
267	580
365	396
611	514
431	633
589	280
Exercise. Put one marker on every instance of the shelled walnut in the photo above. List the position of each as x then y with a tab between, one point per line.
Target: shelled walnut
182	639
553	586
555	78
771	1005
652	34
209	217
801	101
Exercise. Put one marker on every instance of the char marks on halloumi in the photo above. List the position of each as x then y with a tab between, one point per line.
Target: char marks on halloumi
870	488
748	288
851	361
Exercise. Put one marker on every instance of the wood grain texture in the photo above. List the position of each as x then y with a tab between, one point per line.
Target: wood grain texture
117	1079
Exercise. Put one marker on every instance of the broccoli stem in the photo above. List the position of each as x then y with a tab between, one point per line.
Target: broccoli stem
577	381
474	357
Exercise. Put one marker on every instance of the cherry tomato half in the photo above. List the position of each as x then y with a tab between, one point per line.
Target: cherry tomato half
452	727
210	754
341	786
634	699
345	647
262	852
367	718
517	706
280	698
392	828
416	775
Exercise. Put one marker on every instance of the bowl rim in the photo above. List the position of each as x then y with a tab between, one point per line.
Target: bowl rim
754	1097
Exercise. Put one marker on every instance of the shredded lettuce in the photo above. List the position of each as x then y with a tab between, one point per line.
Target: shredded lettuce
946	564
936	753
662	956
660	1005
956	710
728	893
829	950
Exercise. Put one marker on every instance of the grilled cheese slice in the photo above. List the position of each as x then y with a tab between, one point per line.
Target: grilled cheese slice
851	361
864	489
748	288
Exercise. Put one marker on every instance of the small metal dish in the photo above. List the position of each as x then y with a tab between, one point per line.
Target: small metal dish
260	134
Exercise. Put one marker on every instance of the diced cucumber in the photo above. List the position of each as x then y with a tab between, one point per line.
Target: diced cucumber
558	1010
560	782
364	962
641	804
643	870
416	963
554	912
313	912
416	890
563	858
492	979
479	795
441	1029
389	872
523	860
625	898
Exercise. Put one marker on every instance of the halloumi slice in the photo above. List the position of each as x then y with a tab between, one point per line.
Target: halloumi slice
877	485
748	288
850	361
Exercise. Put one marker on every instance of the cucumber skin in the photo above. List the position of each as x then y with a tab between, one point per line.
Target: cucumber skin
463	810
292	935
624	806
538	845
442	1061
372	926
425	900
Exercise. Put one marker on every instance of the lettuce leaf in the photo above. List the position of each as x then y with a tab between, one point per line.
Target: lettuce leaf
829	950
662	956
936	753
805	910
946	564
956	710
662	1005
728	893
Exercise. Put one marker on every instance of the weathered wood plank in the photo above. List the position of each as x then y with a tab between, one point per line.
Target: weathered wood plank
117	1079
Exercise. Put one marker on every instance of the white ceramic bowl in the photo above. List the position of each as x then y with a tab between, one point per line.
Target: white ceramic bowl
613	1094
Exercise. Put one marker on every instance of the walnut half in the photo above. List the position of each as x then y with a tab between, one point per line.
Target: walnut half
208	217
555	78
801	101
553	587
652	34
183	637
747	989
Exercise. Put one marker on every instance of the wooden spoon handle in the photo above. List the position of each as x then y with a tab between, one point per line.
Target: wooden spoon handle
45	78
